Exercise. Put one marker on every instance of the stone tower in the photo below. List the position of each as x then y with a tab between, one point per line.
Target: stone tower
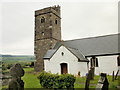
47	33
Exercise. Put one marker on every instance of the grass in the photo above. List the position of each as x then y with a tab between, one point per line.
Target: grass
31	81
28	70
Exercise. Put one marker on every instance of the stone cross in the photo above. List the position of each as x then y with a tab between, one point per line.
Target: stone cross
102	82
16	83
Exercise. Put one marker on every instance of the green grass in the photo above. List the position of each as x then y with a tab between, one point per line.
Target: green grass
17	61
31	81
28	69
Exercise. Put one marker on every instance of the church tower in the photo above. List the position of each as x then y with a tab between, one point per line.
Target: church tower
47	33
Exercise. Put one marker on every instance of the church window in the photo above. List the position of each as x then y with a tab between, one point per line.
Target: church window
42	20
42	33
62	53
56	21
94	62
118	60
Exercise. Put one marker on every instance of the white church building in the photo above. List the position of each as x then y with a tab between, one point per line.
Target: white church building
74	56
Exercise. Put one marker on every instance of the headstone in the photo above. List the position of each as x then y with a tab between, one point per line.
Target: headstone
16	83
102	82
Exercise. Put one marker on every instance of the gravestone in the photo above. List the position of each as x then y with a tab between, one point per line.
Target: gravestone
88	78
102	82
16	83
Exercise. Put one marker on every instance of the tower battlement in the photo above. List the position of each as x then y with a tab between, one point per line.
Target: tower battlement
55	10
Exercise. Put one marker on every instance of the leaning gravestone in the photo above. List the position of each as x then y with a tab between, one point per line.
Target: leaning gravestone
16	83
102	82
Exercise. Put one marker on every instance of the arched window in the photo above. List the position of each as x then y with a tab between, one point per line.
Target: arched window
56	21
118	60
42	20
62	53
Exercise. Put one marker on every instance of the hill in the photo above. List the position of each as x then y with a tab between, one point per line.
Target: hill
16	57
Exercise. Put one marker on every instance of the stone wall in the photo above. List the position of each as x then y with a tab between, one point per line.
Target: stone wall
47	33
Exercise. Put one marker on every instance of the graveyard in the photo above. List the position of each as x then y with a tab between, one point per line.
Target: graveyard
30	75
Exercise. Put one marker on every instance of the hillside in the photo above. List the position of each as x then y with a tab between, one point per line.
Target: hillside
16	57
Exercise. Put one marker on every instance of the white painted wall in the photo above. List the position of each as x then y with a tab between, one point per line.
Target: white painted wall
53	65
107	64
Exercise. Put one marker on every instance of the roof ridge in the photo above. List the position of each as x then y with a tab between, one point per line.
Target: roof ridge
93	37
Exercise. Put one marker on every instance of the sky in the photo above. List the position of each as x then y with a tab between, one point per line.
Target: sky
80	19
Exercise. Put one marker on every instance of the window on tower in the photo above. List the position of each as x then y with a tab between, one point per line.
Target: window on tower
56	21
42	20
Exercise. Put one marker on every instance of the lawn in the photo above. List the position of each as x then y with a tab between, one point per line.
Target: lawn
31	81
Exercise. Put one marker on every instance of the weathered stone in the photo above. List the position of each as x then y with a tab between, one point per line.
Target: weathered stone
47	33
16	71
103	83
16	83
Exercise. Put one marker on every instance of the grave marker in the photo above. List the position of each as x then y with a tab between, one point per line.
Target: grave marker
16	83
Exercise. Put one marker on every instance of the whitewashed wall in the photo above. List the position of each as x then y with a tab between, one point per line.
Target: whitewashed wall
53	65
107	64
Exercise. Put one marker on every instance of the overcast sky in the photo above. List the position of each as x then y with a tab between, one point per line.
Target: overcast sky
86	18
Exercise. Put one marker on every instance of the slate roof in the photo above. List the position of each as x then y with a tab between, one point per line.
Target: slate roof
95	46
49	53
76	52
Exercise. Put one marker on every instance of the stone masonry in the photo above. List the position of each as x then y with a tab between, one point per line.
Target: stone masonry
47	33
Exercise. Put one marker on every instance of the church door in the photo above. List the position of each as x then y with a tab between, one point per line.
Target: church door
64	68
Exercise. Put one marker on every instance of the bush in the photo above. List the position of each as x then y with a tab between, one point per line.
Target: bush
48	80
9	66
4	67
32	64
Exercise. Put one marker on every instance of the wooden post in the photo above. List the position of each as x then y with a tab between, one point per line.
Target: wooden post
113	76
88	78
116	75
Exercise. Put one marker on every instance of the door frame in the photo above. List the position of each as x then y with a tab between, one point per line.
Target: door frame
65	66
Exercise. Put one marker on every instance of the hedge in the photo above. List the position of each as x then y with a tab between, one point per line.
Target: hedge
48	80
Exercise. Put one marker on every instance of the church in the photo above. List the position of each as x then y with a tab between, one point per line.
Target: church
72	56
